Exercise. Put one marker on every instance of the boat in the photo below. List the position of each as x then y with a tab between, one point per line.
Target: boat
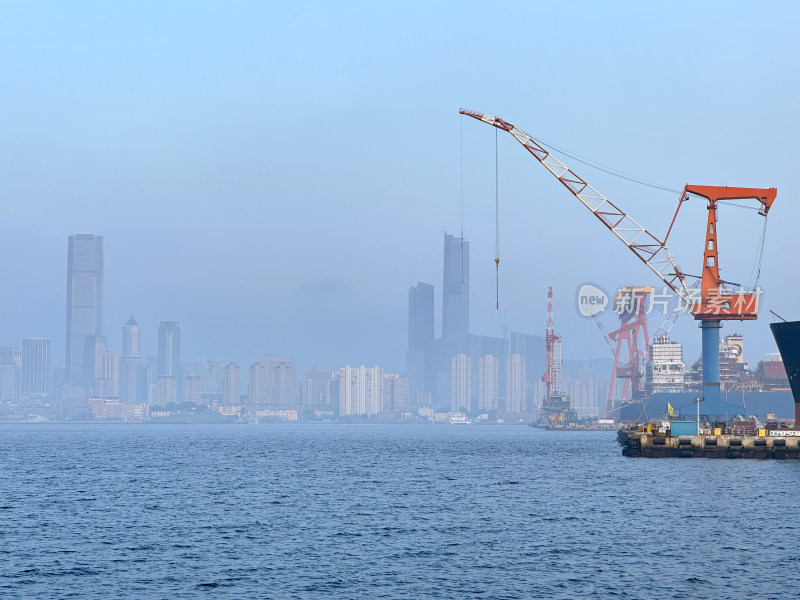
787	337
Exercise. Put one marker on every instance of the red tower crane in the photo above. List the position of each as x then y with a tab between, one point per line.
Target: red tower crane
552	372
630	304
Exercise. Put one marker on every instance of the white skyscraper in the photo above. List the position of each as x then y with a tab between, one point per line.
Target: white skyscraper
515	384
488	383
360	390
460	383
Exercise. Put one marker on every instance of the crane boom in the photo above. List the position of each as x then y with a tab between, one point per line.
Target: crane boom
648	248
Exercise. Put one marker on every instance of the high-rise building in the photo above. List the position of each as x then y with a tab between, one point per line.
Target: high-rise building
281	382
455	296
84	302
169	349
532	350
488	383
257	385
94	350
166	390
420	317
461	383
111	373
584	396
394	392
8	383
419	357
360	390
317	389
11	357
232	389
193	390
35	366
515	384
130	363
130	338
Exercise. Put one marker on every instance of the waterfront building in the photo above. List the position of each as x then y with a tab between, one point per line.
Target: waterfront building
515	384
488	383
319	389
584	398
281	381
232	389
193	390
360	390
394	392
8	383
35	367
257	385
166	390
130	362
460	383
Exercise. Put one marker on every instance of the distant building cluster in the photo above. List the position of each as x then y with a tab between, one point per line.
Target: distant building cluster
454	377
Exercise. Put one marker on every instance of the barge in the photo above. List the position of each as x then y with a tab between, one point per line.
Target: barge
652	441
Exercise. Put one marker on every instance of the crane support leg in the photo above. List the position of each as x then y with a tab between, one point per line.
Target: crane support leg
710	331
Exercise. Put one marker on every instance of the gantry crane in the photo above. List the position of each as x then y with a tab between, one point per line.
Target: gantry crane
713	302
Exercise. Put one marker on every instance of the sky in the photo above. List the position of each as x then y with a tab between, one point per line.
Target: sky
275	176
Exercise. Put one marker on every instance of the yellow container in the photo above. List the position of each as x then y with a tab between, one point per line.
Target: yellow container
649	428
717	430
762	432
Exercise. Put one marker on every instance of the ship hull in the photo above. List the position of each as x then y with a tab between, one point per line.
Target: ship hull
787	337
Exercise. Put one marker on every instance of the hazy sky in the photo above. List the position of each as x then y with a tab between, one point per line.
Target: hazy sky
276	176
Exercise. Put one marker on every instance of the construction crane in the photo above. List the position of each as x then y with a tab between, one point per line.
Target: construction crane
630	303
714	302
552	374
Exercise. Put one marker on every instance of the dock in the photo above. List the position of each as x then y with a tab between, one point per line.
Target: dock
648	445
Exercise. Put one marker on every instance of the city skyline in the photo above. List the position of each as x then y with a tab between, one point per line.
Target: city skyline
437	378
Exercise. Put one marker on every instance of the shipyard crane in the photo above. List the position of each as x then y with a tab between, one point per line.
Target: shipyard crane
713	302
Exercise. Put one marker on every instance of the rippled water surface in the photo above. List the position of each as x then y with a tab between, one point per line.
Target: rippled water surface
349	511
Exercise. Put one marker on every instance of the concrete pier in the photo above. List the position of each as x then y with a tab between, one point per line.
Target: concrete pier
709	446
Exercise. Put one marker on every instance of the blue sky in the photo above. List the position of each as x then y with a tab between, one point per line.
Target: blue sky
276	176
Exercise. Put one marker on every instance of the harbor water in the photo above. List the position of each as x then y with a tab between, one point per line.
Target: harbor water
383	511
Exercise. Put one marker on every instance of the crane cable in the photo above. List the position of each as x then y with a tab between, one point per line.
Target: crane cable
760	256
462	201
497	219
605	168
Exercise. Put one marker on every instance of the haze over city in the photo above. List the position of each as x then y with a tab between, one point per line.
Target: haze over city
280	188
288	312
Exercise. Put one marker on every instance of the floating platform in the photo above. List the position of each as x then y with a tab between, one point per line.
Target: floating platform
709	446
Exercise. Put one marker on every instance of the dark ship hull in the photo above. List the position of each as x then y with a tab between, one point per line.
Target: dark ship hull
787	336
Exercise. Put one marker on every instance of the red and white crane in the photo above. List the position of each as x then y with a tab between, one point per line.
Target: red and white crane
713	302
